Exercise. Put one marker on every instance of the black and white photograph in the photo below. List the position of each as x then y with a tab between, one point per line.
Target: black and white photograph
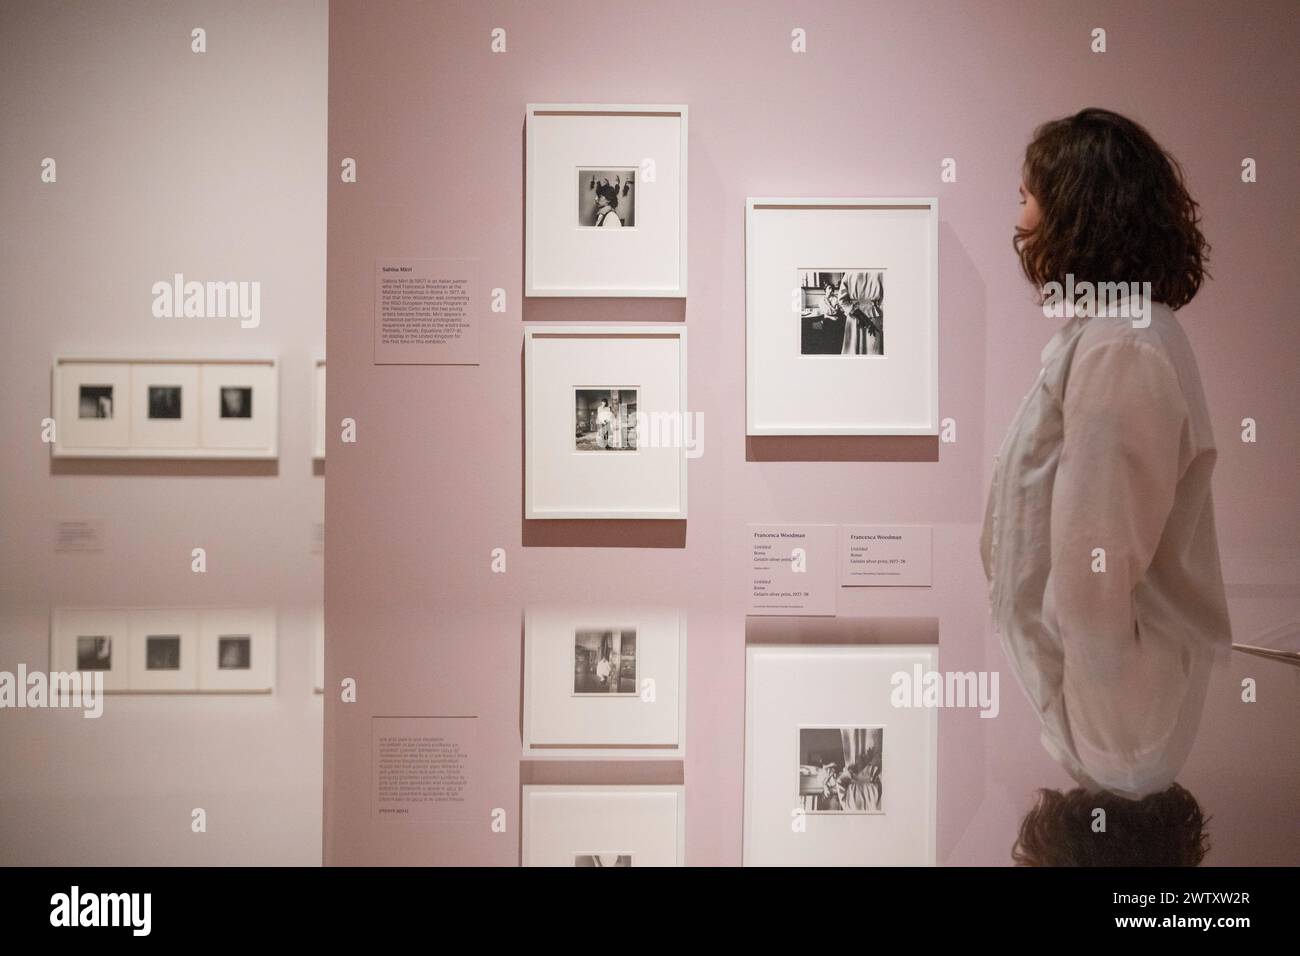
607	198
840	769
234	652
604	663
236	401
164	401
94	653
162	652
604	419
842	311
602	859
95	401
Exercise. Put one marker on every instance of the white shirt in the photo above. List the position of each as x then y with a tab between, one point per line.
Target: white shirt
1111	449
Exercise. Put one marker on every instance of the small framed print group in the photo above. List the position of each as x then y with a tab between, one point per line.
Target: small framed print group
587	826
604	683
605	421
605	211
825	744
842	316
172	650
164	408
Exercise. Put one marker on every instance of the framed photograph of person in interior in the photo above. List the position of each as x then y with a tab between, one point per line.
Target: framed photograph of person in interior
606	432
817	718
237	649
585	672
644	824
91	408
605	200
94	642
842	317
239	409
164	650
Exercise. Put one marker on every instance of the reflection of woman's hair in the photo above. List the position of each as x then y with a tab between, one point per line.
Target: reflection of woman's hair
1163	829
1114	209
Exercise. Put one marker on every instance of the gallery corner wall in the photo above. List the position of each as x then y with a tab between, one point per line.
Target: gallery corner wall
168	161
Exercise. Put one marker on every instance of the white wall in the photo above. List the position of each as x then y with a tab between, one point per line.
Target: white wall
168	161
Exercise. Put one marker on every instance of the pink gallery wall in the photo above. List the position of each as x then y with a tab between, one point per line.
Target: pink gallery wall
885	92
167	161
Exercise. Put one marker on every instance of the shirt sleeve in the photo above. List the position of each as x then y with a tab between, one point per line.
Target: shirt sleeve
1124	419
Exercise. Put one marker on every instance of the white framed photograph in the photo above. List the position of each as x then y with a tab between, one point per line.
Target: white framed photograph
318	412
616	825
605	421
318	650
603	682
92	641
92	408
605	204
239	407
164	650
164	406
825	743
842	316
237	649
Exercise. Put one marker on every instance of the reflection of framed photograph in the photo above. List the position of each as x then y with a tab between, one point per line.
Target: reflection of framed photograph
237	650
92	408
605	210
92	641
604	683
561	825
842	317
840	769
318	412
164	406
605	421
239	409
816	720
603	858
164	650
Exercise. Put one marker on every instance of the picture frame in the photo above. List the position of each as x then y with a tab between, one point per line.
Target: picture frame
237	650
92	640
816	717
588	673
563	823
318	411
164	650
318	651
586	163
606	426
164	407
842	316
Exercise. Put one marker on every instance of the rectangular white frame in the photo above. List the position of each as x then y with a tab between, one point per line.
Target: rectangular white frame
260	626
653	624
145	623
67	624
789	385
842	839
318	412
604	832
535	509
127	442
318	651
252	437
534	238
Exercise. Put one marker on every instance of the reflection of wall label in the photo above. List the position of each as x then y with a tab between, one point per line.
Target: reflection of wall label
78	535
886	555
792	569
426	312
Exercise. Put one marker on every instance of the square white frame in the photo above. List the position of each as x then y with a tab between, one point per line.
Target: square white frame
124	436
146	623
259	625
318	412
592	347
647	821
802	392
68	624
571	252
557	724
93	437
904	834
164	434
253	437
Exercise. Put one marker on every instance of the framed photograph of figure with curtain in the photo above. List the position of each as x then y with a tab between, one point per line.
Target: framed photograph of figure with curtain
826	747
842	316
605	200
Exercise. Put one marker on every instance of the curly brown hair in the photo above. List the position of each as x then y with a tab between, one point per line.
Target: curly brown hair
1163	829
1114	209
